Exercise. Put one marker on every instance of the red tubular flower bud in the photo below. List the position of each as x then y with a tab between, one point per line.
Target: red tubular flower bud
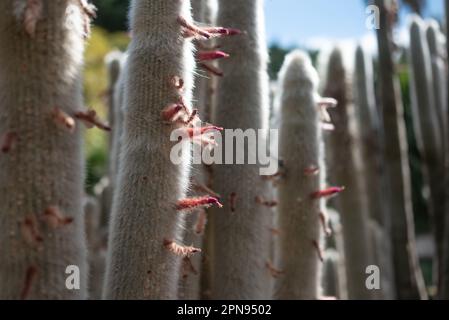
8	141
200	187
311	171
192	29
220	31
63	119
200	202
212	55
179	250
266	203
275	232
188	268
30	232
55	219
201	222
193	132
329	192
30	277
233	201
91	120
275	273
170	113
177	82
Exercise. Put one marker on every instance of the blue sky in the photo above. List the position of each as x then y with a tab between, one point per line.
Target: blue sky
300	22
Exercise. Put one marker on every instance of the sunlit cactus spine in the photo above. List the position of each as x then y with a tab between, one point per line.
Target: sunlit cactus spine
41	160
407	272
146	222
345	165
241	230
371	148
300	213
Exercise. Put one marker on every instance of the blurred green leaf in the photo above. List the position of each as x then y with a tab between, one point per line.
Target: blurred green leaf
95	89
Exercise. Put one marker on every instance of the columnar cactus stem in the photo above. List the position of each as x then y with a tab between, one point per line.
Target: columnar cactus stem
409	280
241	237
428	125
444	283
145	215
369	127
436	41
345	166
117	111
330	280
41	175
336	241
196	222
114	67
426	121
106	186
96	247
298	210
371	148
380	249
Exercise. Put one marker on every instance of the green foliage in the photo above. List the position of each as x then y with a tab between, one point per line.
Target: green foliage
277	55
112	14
95	91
